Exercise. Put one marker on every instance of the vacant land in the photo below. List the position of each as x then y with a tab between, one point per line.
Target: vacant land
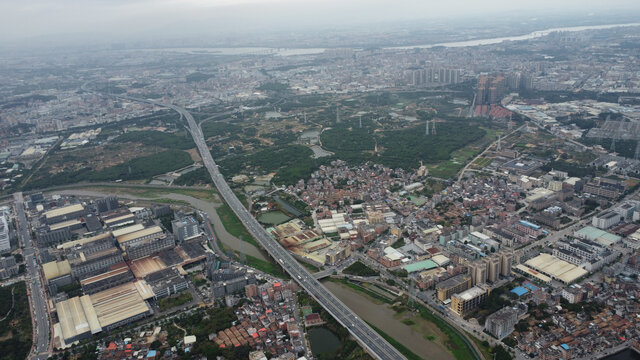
174	300
15	328
360	269
153	193
233	225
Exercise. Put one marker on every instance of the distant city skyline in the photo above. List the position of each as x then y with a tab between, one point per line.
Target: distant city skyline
65	21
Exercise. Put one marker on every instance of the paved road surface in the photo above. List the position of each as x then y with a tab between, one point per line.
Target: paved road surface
36	289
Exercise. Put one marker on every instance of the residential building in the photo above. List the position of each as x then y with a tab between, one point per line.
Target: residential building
478	271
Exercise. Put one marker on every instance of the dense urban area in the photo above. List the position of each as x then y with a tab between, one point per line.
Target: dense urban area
453	200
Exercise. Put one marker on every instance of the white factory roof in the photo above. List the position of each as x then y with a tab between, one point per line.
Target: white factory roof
392	253
556	268
440	259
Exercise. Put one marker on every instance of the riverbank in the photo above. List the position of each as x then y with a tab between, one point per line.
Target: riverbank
419	336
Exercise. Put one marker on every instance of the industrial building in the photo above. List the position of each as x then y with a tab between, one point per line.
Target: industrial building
166	282
606	219
118	217
185	228
144	242
118	274
81	317
57	273
8	267
5	243
64	213
555	268
87	263
454	285
227	281
107	203
468	300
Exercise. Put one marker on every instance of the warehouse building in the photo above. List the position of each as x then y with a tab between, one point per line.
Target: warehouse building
145	242
45	236
166	282
64	213
87	263
117	275
81	317
56	274
107	204
556	268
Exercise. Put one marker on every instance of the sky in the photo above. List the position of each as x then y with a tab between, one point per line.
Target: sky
24	21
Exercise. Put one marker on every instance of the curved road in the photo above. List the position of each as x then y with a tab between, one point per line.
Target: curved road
361	331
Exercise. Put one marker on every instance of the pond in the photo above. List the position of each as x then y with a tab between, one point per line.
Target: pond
323	341
273	218
627	354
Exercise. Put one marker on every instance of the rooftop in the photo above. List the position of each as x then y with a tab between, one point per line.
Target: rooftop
420	265
56	269
140	233
470	294
61	211
519	290
559	269
70	244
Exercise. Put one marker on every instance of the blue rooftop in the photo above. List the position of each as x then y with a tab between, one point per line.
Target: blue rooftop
530	286
564	346
519	291
151	353
528	224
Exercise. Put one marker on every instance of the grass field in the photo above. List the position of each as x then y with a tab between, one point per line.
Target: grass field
459	158
233	225
401	348
175	300
273	218
482	162
377	296
267	267
455	342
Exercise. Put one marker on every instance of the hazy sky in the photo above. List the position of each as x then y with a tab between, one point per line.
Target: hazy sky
24	20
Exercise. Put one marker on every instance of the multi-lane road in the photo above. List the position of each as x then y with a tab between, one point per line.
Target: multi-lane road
366	336
40	350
